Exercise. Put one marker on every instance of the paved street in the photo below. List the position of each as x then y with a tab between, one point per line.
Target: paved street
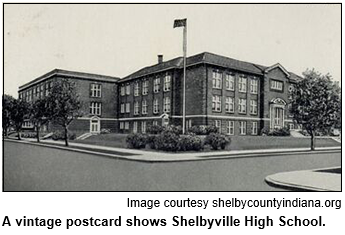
34	168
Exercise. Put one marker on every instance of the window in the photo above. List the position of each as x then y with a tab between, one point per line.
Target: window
253	106
122	90
254	86
218	124
230	82
188	123
34	93
167	104
95	108
136	89
47	88
254	128
217	79
243	127
216	103
30	95
41	91
231	127
156	83
135	127
128	89
145	87
144	107
122	108
276	85
128	107
126	125
95	90
155	123
229	104
167	81
122	126
242	84
155	106
291	126
136	108
242	105
37	91
143	127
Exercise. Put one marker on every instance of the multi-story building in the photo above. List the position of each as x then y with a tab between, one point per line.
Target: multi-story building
98	94
239	97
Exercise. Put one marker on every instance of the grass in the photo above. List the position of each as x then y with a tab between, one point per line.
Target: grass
237	142
272	142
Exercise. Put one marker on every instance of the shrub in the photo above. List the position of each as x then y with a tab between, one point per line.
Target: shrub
105	131
285	131
265	131
154	129
211	129
136	141
167	141
197	130
60	135
151	141
216	141
177	130
28	135
190	142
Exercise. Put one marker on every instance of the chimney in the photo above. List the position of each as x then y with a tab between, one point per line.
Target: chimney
160	59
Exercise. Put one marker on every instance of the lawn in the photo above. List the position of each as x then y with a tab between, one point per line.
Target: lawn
237	142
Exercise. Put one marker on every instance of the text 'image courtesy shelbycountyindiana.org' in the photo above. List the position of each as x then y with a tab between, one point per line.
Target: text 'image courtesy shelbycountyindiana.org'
172	97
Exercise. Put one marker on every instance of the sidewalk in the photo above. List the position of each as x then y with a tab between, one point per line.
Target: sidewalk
155	156
308	180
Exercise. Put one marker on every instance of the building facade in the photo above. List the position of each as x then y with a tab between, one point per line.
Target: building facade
98	94
238	97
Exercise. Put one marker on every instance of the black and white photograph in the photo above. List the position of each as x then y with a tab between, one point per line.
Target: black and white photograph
171	97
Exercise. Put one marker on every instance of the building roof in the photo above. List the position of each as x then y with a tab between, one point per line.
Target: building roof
205	57
73	74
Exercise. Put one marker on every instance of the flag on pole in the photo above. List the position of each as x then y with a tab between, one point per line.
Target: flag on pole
180	23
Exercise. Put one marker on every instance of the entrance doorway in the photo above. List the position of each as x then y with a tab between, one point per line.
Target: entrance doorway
95	125
277	113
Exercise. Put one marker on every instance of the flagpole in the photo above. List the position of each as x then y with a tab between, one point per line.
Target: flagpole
184	78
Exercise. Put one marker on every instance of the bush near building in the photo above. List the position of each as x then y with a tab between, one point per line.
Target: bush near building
217	141
285	131
169	139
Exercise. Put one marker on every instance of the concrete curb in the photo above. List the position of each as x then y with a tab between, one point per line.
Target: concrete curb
306	180
157	157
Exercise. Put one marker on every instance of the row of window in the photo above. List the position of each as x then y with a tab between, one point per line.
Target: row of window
126	89
36	92
230	127
126	107
217	82
230	105
276	85
125	126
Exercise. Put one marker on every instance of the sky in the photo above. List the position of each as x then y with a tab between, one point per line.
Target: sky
118	39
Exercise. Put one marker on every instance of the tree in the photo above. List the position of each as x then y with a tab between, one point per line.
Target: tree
315	103
39	114
7	106
18	113
63	104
